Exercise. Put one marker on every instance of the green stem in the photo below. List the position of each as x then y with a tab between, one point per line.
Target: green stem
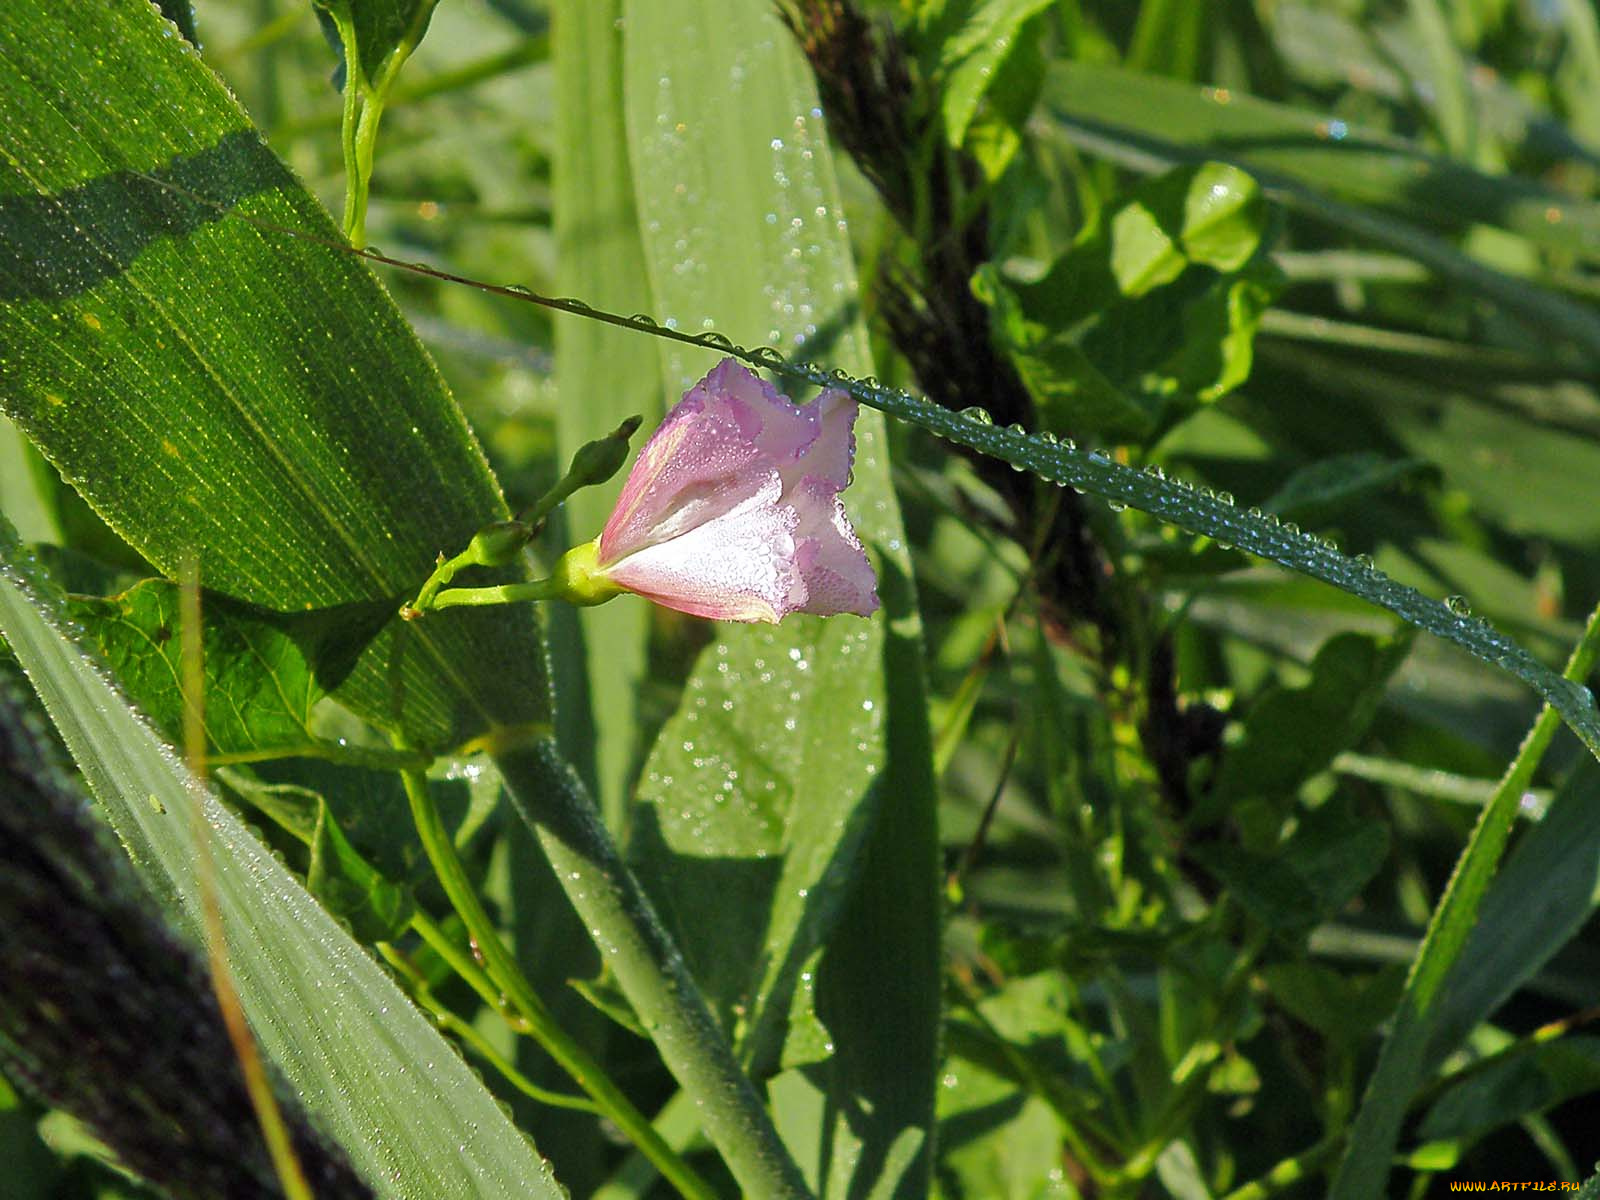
355	188
503	969
650	969
362	152
447	570
364	101
505	593
1288	1172
447	1020
450	1023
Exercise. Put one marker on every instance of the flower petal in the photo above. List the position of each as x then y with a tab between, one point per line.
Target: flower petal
732	509
737	566
697	465
833	451
781	430
834	567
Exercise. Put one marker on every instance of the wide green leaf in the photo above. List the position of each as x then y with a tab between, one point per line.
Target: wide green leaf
605	375
1415	1032
1327	487
973	57
1292	733
350	889
791	794
1137	323
416	1122
1529	1081
1544	894
1308	877
21	499
164	354
264	671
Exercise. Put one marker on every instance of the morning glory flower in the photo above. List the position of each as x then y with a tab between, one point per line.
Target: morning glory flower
732	510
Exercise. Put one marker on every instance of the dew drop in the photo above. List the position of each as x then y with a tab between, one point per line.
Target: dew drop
980	415
1458	606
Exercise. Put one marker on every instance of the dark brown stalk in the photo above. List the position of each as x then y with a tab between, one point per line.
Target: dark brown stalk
923	293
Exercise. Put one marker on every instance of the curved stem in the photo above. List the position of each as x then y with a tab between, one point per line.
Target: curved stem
1290	1171
505	593
650	969
355	188
468	1035
503	969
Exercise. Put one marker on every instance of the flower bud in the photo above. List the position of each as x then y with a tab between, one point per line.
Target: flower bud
597	461
498	544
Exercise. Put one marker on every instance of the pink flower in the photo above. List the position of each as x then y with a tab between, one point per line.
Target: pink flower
732	510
